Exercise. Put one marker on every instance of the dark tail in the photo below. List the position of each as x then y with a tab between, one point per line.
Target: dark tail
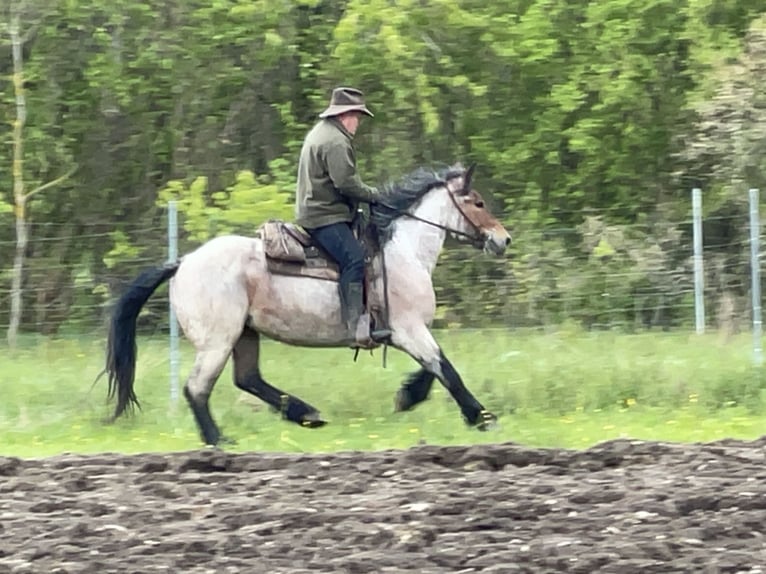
121	343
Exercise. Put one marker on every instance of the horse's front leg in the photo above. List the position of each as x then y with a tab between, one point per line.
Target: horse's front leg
420	344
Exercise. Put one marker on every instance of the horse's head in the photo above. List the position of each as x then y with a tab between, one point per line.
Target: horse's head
475	222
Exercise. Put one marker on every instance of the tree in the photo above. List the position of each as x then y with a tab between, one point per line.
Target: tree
566	105
21	196
728	144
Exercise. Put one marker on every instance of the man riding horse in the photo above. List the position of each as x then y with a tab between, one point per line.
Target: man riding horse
328	194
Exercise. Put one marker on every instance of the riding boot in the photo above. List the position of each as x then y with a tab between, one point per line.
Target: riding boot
358	321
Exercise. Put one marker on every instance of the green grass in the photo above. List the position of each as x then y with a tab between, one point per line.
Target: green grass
565	388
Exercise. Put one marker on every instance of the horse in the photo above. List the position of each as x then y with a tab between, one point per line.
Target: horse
232	290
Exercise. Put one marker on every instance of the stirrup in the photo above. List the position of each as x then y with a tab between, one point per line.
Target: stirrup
365	332
381	335
361	334
362	337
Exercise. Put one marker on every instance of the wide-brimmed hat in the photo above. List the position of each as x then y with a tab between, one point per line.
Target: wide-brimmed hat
346	100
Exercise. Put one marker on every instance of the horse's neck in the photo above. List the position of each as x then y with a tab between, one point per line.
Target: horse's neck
418	240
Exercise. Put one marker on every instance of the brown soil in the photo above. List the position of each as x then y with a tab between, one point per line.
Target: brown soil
620	507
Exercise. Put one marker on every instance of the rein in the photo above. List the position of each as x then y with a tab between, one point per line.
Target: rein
438	225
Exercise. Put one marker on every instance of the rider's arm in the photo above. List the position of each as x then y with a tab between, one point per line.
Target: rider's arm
341	167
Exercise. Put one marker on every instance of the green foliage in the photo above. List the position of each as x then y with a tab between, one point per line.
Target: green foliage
569	107
121	250
192	203
728	145
249	201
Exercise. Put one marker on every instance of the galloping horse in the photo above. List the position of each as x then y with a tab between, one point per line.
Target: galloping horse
233	289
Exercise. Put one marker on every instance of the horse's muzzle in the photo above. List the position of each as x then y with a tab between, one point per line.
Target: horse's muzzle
496	243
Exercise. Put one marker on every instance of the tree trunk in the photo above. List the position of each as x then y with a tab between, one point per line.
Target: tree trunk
19	196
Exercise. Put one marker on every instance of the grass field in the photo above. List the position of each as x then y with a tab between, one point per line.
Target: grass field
570	389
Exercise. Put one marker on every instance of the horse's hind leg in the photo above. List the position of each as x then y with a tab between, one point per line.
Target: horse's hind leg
247	376
414	391
207	368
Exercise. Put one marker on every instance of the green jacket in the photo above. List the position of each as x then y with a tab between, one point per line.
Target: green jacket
329	187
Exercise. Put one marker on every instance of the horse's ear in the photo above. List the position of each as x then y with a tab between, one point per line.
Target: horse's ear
467	178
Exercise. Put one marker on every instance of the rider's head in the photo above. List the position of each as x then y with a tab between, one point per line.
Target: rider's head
350	121
347	104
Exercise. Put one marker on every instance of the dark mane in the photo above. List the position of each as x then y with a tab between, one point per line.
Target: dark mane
399	196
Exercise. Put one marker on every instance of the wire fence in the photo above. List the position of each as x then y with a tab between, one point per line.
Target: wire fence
690	273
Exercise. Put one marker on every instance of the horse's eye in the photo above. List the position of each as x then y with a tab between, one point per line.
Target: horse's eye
479	204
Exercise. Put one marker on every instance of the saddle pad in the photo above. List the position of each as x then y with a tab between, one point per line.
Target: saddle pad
327	272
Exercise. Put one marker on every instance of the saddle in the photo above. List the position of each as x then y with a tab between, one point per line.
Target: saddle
290	250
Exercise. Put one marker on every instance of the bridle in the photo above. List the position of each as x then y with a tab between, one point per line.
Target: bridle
476	239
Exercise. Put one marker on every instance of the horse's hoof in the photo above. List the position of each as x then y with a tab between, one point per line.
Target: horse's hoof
313	424
313	421
226	441
487	421
402	401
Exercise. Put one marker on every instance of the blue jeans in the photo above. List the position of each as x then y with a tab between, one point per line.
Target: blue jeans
339	242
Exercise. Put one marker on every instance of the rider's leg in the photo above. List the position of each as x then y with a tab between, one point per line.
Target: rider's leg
339	241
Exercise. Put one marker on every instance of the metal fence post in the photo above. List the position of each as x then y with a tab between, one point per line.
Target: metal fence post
755	275
172	257
699	281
